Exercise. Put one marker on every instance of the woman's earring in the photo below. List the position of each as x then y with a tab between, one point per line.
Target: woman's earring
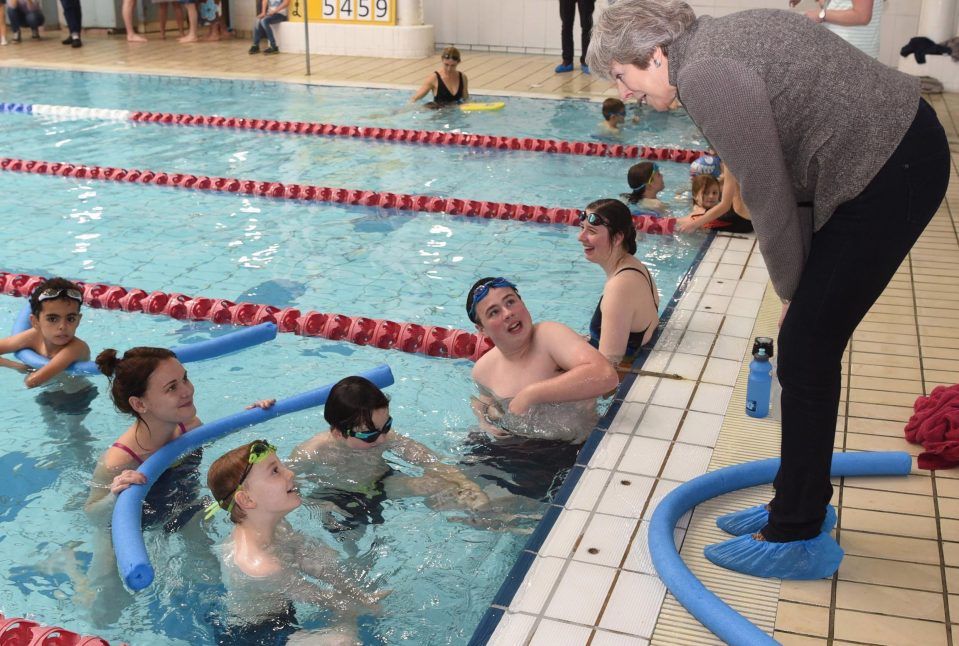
656	63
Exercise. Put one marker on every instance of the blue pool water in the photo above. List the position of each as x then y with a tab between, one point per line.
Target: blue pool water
406	267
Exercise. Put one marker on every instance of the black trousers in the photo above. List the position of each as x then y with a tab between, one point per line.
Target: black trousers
851	260
567	13
73	15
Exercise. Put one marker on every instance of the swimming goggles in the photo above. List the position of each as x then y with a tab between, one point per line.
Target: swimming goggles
593	218
652	173
370	436
259	451
482	291
53	292
450	57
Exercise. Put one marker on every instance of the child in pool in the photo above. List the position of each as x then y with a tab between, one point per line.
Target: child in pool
614	116
266	564
54	318
348	459
646	181
716	206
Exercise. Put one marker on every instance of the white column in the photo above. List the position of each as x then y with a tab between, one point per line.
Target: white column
409	12
937	19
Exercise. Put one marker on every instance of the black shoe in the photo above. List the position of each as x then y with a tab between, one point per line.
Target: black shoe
16	37
271	50
75	42
67	41
254	50
35	33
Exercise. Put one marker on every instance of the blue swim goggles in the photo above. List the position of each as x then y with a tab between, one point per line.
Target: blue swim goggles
482	291
370	436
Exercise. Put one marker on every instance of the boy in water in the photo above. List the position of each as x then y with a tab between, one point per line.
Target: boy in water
348	460
55	315
614	116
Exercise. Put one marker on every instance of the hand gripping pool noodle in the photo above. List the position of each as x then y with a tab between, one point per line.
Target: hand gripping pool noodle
723	621
132	559
206	349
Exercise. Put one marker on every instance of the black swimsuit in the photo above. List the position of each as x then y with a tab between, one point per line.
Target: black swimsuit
443	94
635	340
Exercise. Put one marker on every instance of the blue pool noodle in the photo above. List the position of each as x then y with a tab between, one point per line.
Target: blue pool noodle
710	610
132	559
206	349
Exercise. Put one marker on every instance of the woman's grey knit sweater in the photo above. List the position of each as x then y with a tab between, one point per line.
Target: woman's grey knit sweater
798	115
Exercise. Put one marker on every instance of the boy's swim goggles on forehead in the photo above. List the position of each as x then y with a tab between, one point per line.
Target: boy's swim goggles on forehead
259	451
53	292
482	291
370	436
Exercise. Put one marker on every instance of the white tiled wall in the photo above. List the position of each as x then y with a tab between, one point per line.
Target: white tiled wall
533	26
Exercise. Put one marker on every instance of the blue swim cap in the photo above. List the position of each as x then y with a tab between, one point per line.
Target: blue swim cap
706	165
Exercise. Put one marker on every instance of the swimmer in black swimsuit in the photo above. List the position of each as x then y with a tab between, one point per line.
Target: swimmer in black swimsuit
443	83
629	306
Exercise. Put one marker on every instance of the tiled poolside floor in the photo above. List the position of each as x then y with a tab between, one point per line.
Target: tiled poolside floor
592	582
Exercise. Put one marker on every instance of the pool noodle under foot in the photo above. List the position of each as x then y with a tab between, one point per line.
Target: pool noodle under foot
132	559
710	610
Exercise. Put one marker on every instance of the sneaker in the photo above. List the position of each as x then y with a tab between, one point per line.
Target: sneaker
271	50
254	50
15	39
3	41
585	68
564	67
75	42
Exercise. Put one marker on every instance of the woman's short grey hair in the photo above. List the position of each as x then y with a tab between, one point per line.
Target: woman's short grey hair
629	30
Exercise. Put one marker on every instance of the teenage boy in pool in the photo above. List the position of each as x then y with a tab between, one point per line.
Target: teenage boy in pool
614	116
540	380
55	315
349	465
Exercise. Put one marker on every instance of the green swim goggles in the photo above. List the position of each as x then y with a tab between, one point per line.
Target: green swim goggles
259	451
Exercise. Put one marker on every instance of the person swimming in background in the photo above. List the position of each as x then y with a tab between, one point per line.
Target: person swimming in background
614	116
646	181
448	85
54	318
716	205
348	461
539	380
267	565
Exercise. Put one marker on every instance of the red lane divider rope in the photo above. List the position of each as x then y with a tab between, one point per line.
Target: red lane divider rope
381	333
434	137
17	631
399	201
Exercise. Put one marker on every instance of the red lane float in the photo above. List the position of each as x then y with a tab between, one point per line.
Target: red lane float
430	137
398	201
406	337
17	631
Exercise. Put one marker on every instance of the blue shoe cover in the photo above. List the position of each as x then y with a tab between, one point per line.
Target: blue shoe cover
750	521
585	68
815	558
564	67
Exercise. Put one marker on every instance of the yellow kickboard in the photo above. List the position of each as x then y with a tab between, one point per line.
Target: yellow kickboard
476	107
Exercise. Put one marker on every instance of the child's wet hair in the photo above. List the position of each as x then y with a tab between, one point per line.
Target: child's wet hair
700	184
351	403
58	284
129	375
224	476
620	220
612	106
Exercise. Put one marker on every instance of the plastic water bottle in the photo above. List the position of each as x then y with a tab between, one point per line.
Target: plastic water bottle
759	385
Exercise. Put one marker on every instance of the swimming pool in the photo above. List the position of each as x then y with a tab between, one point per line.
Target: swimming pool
407	267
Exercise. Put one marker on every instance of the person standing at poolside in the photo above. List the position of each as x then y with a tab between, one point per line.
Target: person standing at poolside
540	380
855	21
73	15
567	13
842	165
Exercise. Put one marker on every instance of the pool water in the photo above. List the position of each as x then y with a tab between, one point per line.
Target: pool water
353	260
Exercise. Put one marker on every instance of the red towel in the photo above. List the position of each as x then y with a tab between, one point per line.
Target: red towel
935	425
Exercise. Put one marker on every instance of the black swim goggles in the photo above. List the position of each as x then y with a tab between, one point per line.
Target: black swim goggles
52	292
371	436
594	219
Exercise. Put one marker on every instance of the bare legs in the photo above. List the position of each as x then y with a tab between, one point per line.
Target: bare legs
193	16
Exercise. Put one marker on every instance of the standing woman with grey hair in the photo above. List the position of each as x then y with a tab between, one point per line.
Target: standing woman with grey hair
842	165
